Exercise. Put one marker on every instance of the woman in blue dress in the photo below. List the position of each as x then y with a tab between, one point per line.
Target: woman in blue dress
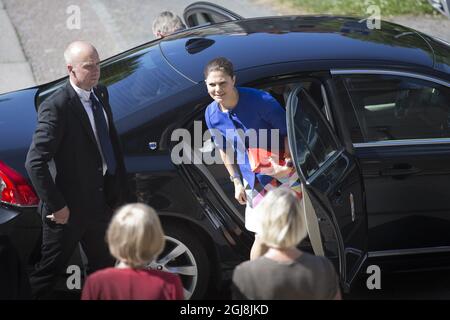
243	122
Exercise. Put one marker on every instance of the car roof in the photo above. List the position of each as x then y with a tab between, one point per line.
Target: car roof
269	40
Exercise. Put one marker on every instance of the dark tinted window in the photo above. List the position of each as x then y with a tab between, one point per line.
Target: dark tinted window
134	80
202	18
138	80
314	141
441	50
394	108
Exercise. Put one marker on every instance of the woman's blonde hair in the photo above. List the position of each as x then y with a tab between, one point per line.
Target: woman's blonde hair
135	235
282	222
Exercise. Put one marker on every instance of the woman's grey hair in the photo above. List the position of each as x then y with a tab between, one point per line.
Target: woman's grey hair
166	23
135	235
282	221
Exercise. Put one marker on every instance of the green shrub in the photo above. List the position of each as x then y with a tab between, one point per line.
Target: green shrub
359	7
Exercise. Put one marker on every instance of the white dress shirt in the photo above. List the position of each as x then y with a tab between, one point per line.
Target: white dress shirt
86	102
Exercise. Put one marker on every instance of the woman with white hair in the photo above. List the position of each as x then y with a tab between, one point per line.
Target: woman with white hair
135	239
167	23
284	272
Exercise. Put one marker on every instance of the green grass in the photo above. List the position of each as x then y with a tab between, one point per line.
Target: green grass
359	7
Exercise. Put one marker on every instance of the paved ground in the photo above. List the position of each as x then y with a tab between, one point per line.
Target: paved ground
115	25
111	25
14	68
436	25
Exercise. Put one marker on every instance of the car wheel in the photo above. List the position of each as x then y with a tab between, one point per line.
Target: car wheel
184	255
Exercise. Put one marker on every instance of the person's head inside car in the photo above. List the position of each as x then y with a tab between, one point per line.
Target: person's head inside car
167	23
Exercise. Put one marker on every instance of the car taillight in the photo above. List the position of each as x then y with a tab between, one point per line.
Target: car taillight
14	189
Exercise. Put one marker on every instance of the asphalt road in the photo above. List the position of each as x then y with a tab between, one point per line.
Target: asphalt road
111	25
116	25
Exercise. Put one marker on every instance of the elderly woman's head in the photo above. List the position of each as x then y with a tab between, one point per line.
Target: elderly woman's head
220	81
135	236
282	221
167	23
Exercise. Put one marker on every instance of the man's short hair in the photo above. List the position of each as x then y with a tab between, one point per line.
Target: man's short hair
282	221
135	235
166	23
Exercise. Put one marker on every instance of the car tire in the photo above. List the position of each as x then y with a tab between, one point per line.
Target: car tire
185	255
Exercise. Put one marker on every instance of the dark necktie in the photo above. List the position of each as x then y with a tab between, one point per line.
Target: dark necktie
103	134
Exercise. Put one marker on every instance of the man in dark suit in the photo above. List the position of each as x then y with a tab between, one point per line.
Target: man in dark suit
75	133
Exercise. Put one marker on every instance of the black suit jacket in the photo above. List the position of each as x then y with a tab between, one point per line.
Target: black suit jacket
64	134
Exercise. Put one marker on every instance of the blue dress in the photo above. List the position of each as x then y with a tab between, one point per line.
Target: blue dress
257	110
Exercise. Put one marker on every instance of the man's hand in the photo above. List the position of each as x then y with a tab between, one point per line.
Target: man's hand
60	216
239	192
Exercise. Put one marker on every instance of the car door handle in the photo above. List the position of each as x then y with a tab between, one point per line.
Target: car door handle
400	170
196	45
352	207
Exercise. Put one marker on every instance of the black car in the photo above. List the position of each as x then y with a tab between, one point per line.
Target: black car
368	114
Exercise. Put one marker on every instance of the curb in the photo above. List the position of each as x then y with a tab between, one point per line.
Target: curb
14	67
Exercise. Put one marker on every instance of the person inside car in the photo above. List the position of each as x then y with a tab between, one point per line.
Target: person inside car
167	23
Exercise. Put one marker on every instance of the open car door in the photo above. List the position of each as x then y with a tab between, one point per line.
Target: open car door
202	13
331	177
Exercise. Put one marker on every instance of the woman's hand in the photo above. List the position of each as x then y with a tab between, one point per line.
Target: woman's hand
239	192
280	172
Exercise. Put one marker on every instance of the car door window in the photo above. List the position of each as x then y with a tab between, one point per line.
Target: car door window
202	18
315	89
311	127
391	107
135	82
201	13
140	80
